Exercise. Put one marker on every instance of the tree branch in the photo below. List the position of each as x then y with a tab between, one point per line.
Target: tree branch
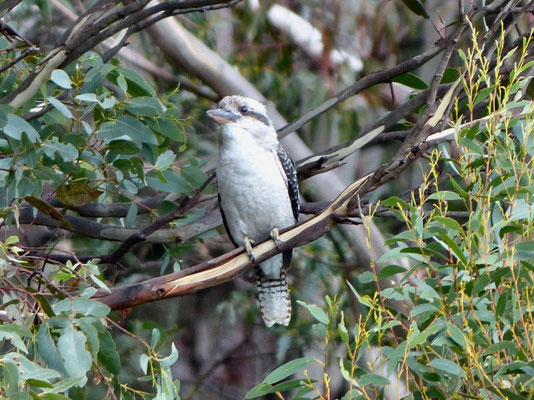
90	30
364	83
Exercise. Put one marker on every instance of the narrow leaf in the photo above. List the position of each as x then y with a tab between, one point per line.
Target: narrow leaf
288	369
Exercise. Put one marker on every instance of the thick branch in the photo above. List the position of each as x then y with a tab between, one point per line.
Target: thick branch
228	266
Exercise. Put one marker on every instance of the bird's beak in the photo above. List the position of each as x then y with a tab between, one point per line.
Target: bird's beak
222	116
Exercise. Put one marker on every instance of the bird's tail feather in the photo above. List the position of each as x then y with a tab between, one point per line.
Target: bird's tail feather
273	297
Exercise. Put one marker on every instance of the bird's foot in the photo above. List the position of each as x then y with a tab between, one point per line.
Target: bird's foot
275	233
248	247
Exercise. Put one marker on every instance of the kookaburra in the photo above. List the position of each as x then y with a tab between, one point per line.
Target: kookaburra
258	194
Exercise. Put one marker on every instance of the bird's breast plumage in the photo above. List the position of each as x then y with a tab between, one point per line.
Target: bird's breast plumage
253	191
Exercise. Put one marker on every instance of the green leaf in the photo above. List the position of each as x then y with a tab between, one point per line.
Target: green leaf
366	277
525	250
419	338
45	305
424	251
88	97
88	325
448	367
4	110
10	374
38	383
450	223
416	7
342	329
137	85
131	215
171	358
108	355
65	384
83	306
481	284
497	347
260	390
316	311
362	299
127	126
66	151
397	202
145	106
52	396
450	75
373	379
77	359
62	108
456	334
95	77
344	368
511	368
422	308
124	147
14	338
194	175
411	80
459	189
143	362
15	328
444	195
391	270
31	369
156	336
16	126
121	82
167	181
484	94
165	160
454	248
264	388
288	369
61	78
320	330
509	394
167	128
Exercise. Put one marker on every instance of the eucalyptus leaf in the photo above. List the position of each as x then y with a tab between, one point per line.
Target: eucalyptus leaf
127	126
61	78
77	359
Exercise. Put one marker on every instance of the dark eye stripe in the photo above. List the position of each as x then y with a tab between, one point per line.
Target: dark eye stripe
259	117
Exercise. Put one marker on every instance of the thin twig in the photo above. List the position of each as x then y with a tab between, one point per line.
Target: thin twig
26	53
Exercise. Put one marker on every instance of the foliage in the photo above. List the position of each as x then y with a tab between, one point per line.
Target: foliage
468	330
94	145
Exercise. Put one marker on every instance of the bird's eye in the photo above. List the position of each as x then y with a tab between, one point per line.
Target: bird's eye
243	110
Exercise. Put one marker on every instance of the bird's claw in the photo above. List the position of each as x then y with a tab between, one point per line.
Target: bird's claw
275	233
248	247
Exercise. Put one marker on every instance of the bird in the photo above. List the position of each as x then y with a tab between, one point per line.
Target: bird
258	195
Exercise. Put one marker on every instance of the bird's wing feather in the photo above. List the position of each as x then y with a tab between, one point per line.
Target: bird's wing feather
290	173
225	222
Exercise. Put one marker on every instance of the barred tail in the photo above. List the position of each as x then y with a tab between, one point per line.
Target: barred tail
273	297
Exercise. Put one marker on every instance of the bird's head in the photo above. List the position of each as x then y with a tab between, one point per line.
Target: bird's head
245	113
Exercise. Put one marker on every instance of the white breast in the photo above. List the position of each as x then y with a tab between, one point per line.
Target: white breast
253	190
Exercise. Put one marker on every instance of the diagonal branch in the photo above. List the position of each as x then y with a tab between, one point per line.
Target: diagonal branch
230	265
366	82
144	233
